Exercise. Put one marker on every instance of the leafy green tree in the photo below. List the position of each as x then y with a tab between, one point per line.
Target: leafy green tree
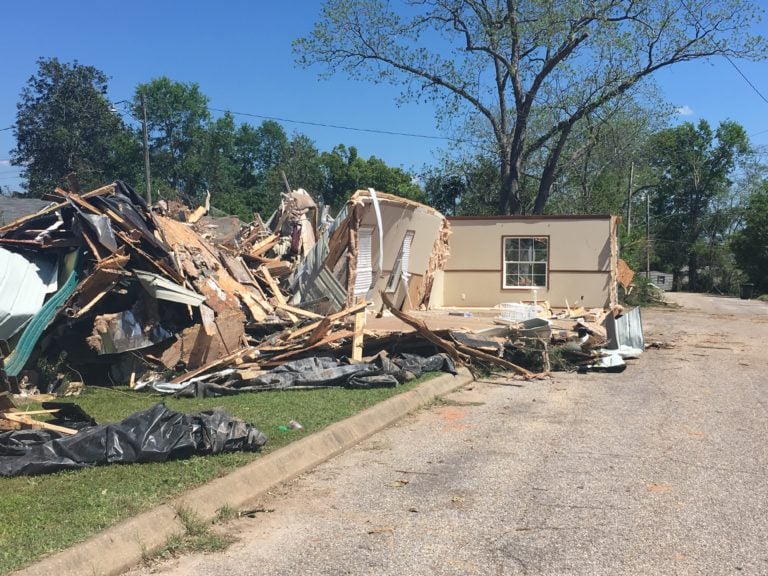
463	187
531	71
611	148
750	244
692	166
177	121
345	172
64	124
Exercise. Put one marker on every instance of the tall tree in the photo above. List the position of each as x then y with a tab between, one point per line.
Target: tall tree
750	244
462	187
692	166
177	120
532	70
345	172
64	123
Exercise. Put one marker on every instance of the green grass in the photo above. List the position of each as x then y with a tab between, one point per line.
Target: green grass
43	514
763	297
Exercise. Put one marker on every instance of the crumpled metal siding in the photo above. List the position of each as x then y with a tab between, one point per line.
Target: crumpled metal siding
24	284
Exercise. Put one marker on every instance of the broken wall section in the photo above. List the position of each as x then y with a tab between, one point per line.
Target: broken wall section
378	243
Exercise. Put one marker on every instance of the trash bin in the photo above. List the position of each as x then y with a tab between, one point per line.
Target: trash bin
746	291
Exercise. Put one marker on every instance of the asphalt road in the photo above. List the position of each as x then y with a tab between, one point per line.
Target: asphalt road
658	470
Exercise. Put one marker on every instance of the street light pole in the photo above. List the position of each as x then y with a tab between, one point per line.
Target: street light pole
147	180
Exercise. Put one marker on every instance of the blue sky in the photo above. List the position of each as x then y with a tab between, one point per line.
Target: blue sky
239	53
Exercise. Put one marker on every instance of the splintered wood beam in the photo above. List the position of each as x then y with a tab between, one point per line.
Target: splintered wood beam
341	335
25	420
458	353
332	318
320	330
263	246
282	303
53	207
223	361
424	330
257	312
77	199
357	339
298	312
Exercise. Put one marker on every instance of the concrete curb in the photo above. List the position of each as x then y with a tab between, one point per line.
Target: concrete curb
121	547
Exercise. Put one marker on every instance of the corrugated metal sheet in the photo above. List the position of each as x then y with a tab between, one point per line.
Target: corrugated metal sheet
24	284
625	333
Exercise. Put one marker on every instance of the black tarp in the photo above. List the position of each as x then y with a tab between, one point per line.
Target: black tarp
153	435
325	372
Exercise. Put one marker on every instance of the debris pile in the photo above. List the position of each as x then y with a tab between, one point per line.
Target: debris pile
575	339
176	300
117	291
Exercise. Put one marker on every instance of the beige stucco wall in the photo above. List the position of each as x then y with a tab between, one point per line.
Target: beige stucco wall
579	264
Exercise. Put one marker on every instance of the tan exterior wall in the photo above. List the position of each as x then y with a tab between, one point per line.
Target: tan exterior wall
579	261
397	219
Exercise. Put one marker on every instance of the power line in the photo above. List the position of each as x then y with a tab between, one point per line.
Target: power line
747	80
341	127
728	58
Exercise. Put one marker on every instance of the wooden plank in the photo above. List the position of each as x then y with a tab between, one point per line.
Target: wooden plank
263	246
91	208
336	336
276	292
228	359
357	339
21	418
52	208
91	244
299	312
333	318
320	330
257	312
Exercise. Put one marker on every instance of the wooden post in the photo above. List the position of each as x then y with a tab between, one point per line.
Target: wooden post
357	339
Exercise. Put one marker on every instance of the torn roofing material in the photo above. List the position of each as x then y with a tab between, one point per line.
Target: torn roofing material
24	283
14	208
163	289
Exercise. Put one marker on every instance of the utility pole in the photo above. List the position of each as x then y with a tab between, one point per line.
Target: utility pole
648	236
629	197
147	180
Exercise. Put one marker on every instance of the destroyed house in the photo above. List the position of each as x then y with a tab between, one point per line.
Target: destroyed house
378	243
564	260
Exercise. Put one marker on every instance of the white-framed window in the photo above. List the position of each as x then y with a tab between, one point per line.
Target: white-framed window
364	278
400	268
525	262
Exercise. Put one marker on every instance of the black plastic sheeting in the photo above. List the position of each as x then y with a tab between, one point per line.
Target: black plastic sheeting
324	372
153	435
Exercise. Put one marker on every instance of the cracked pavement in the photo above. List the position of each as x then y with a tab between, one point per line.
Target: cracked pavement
658	470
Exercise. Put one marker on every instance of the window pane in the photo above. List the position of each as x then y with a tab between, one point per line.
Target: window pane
540	269
511	268
526	268
512	280
510	248
540	280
